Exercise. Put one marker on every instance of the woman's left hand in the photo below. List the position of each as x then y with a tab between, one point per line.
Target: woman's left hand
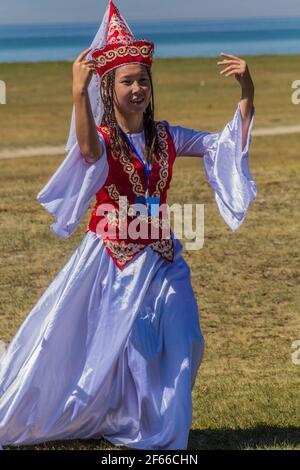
238	67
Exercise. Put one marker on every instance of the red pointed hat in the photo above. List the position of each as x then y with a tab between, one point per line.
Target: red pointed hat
121	47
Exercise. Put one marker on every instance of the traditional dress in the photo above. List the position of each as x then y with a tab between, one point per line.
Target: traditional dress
112	347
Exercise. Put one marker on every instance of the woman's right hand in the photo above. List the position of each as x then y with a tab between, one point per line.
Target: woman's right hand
82	72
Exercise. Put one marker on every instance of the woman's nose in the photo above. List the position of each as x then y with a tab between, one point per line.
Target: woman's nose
135	86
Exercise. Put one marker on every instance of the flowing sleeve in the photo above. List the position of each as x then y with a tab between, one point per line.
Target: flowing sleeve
71	189
226	165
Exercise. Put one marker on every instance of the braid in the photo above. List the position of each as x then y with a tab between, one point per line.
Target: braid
118	142
151	137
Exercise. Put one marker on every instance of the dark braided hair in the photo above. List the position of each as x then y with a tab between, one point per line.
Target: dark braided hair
118	142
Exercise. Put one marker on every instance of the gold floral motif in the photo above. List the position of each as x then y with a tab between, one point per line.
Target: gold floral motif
117	24
162	160
112	218
134	177
123	51
122	251
154	220
113	192
165	247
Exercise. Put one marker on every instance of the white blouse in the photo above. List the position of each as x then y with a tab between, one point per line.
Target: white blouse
73	186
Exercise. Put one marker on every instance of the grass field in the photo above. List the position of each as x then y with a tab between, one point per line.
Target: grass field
247	283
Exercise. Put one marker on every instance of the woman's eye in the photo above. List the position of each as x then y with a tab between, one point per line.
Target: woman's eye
128	82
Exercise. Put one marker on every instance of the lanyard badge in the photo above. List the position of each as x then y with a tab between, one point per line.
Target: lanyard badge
152	204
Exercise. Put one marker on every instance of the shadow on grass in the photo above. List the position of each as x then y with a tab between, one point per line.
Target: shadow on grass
261	436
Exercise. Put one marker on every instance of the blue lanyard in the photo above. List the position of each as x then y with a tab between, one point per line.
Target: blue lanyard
145	165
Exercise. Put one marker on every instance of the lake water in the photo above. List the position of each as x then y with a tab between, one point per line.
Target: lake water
172	39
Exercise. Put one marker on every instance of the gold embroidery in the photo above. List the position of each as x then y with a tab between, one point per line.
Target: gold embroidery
162	160
134	177
154	220
165	247
112	218
118	25
123	51
123	251
113	192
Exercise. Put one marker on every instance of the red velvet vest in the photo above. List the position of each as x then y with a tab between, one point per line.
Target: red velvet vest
127	177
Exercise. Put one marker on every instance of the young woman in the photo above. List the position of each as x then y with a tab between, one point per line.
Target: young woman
113	346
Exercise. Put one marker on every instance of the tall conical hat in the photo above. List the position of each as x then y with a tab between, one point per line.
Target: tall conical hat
121	47
113	45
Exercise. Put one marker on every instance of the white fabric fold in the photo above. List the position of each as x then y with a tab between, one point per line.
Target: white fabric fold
71	189
227	171
105	353
94	85
226	165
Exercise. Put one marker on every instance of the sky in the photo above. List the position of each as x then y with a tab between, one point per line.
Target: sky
74	11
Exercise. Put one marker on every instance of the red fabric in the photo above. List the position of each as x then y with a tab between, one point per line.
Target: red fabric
117	29
116	55
121	47
119	179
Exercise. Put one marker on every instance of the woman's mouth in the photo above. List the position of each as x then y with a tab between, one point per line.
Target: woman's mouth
137	101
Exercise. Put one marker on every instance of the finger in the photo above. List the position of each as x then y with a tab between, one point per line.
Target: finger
83	54
227	69
233	72
229	55
230	62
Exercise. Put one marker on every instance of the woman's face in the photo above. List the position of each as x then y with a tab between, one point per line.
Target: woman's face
132	89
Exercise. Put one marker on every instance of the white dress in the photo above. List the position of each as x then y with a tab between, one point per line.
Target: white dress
114	353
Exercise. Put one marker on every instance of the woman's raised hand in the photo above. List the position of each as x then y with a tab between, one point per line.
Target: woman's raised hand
238	67
82	71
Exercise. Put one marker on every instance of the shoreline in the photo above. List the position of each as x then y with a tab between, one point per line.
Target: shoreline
175	58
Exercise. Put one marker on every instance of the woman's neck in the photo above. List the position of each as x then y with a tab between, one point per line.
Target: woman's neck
130	124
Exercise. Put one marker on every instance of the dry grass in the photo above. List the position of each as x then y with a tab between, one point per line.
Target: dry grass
247	283
189	92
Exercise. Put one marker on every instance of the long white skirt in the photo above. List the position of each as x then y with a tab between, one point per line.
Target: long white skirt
105	353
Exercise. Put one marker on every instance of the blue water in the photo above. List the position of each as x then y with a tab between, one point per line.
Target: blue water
203	38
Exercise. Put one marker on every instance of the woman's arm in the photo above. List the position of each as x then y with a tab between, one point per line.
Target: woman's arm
238	67
86	131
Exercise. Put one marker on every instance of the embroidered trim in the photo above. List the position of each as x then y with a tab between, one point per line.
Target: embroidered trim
165	247
134	177
123	51
162	160
113	192
118	31
124	252
121	251
113	218
114	215
154	220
